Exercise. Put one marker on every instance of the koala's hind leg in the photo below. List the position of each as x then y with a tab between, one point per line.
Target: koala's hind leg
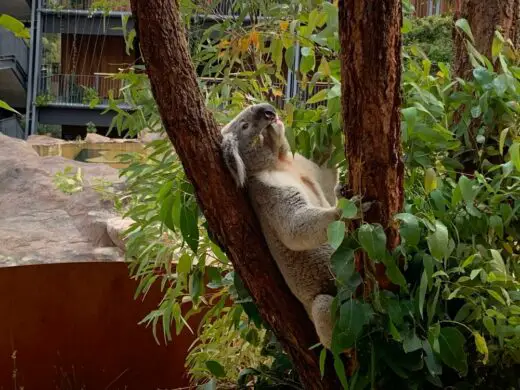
322	318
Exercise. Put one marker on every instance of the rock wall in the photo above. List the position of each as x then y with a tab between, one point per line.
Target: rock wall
41	224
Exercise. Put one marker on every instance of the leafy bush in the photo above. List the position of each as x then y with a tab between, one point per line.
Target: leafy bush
454	321
433	35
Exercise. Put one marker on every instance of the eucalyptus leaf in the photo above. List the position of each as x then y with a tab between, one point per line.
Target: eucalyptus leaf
452	353
373	240
438	241
336	233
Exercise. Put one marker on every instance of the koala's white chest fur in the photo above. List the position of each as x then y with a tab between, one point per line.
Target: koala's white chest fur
291	172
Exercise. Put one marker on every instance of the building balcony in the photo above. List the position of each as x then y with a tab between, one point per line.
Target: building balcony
20	9
75	100
85	17
87	5
74	89
14	59
11	127
223	7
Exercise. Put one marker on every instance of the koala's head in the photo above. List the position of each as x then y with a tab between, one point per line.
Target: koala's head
253	141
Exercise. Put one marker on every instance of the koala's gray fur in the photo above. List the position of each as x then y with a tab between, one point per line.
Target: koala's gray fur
295	205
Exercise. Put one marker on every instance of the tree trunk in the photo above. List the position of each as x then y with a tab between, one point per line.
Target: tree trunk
484	17
370	35
196	138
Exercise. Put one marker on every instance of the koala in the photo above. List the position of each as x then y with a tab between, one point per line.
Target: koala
295	201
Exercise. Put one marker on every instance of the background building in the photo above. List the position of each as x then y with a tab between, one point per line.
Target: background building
72	52
74	49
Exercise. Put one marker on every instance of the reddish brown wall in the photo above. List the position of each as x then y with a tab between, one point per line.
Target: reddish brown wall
79	320
86	54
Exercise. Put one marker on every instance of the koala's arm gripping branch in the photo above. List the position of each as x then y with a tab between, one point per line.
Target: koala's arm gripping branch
308	227
298	225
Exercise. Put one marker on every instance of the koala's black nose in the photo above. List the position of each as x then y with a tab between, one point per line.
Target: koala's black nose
265	111
270	113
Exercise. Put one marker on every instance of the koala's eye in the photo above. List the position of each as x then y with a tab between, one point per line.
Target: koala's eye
245	126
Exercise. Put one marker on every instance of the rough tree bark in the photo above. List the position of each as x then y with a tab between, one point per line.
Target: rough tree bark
196	138
370	35
484	16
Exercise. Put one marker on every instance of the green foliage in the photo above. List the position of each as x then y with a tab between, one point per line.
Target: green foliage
44	99
226	347
433	35
51	130
90	96
91	127
52	46
5	106
18	29
69	181
15	26
455	320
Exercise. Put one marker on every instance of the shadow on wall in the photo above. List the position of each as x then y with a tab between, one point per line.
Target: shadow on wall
75	326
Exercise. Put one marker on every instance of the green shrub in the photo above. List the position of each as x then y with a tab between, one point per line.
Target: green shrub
433	35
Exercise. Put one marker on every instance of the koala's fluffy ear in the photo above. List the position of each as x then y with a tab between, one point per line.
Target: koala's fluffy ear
232	158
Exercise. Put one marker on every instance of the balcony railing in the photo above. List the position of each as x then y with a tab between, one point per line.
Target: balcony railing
13	48
77	89
87	5
223	7
302	94
11	127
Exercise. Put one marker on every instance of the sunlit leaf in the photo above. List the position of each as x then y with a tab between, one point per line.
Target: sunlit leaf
14	25
336	233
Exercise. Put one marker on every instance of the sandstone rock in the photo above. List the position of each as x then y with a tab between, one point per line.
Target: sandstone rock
93	138
116	226
44	140
41	224
146	136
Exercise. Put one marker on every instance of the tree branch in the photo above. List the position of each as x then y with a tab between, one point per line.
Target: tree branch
196	138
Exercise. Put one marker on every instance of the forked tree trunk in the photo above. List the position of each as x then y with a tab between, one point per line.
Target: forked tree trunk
370	35
196	138
484	17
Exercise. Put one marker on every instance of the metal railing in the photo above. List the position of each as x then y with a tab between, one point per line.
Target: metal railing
223	7
302	94
86	5
83	89
15	48
77	89
11	127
